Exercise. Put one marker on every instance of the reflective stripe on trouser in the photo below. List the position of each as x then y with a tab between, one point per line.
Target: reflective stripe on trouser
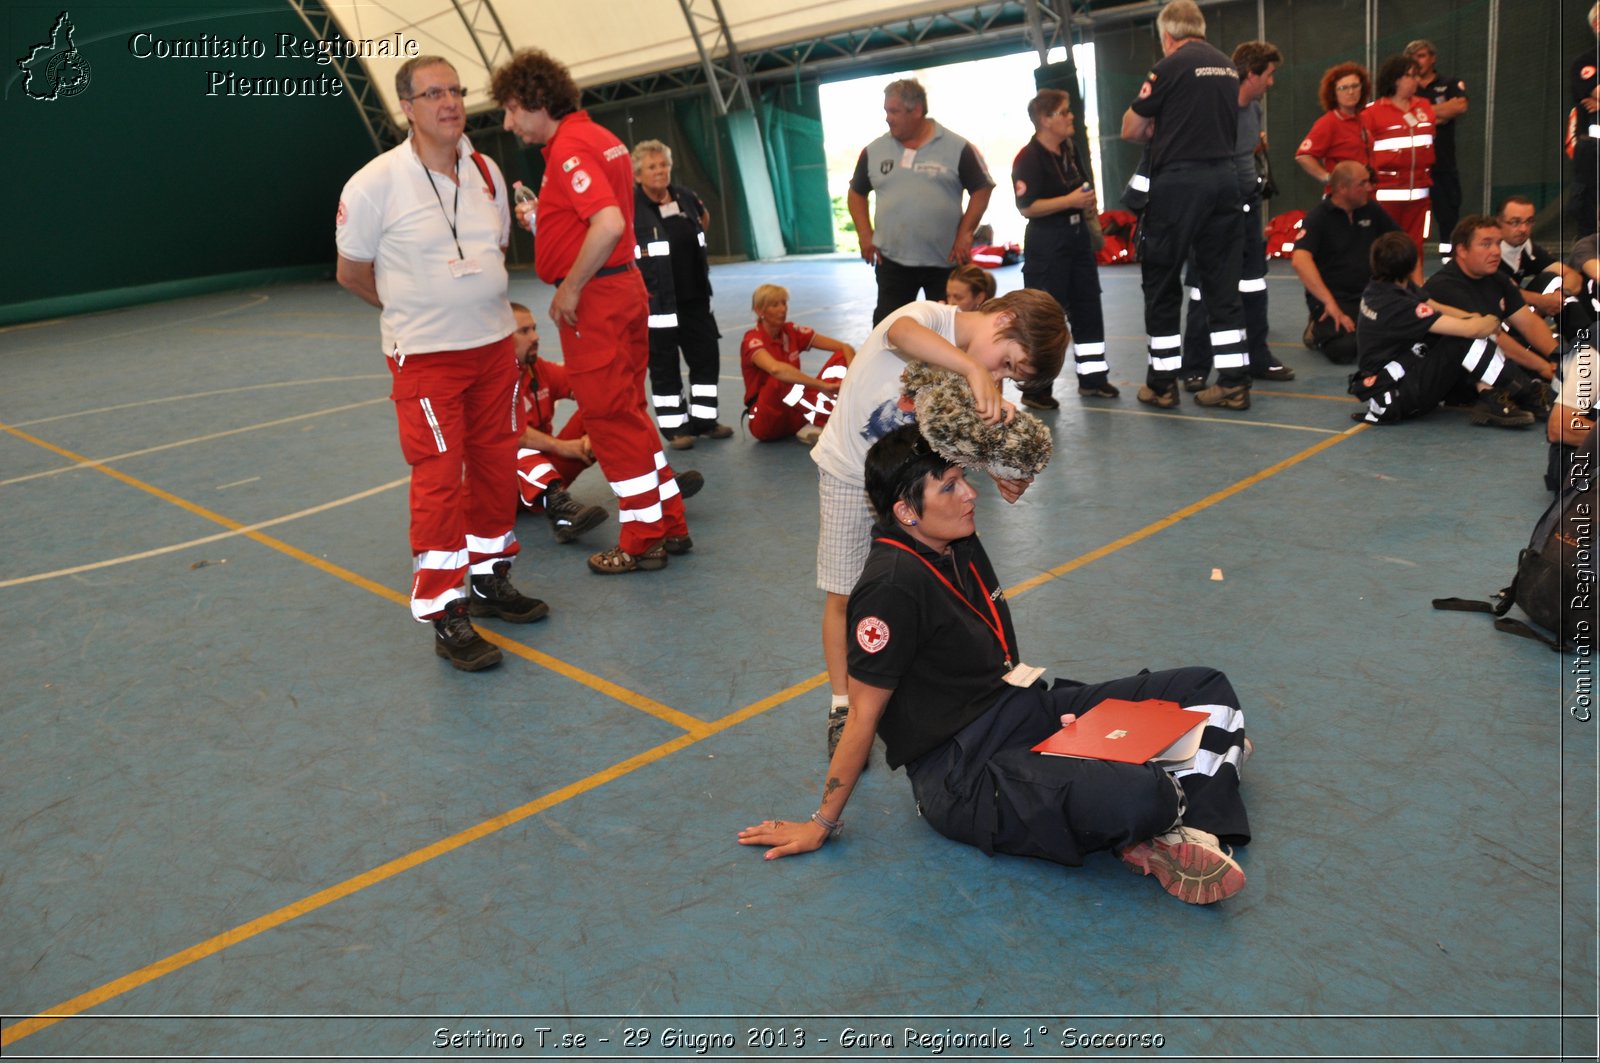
1413	384
1195	208
606	357
1197	347
1060	262
458	419
696	336
537	471
780	410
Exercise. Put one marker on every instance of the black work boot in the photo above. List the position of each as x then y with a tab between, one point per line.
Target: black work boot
493	595
569	519
455	639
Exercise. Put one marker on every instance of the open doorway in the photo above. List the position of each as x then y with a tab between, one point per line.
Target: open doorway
984	100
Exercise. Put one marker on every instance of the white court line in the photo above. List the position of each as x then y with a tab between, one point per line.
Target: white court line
200	395
92	462
175	547
257	301
1216	420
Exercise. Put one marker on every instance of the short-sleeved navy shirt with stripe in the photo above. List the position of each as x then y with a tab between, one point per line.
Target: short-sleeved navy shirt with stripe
1193	95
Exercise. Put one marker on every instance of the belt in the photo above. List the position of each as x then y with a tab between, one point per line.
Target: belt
604	271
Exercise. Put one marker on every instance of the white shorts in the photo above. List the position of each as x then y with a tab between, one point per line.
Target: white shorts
845	537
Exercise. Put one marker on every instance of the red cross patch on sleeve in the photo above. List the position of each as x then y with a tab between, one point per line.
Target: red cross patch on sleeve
872	634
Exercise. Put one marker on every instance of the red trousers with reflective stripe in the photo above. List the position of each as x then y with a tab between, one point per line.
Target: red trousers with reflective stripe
536	470
607	357
459	426
774	416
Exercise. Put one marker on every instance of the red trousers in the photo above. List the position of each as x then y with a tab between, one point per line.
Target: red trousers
607	357
781	410
1412	217
459	426
536	470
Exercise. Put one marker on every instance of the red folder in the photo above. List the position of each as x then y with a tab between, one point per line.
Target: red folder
1131	732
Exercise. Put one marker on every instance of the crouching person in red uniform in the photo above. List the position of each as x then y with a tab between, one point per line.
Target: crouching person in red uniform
781	399
585	249
547	464
935	671
438	273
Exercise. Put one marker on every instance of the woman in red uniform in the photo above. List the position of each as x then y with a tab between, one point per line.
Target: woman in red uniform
1337	136
1400	126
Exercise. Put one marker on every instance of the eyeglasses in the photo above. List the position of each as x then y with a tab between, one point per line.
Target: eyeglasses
1352	87
437	93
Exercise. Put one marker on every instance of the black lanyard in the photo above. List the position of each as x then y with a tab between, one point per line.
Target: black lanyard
447	219
995	626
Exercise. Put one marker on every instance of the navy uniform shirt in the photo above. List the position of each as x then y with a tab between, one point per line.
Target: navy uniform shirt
1444	136
911	634
1193	95
1393	322
1493	294
1038	173
1341	246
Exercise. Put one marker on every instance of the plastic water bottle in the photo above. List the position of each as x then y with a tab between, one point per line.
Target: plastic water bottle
521	193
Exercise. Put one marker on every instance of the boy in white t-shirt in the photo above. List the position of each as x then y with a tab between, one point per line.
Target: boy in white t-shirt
1020	336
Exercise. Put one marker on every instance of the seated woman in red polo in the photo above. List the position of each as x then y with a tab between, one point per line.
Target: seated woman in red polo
781	399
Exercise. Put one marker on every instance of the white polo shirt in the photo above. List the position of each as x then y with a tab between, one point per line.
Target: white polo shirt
397	214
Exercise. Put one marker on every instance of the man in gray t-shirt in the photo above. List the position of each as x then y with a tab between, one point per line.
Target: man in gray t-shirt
918	170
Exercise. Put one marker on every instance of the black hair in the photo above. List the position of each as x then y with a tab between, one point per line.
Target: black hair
1393	258
898	466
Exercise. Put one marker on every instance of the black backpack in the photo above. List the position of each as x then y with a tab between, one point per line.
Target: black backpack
1555	580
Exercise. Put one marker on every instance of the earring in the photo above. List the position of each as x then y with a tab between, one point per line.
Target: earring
909	523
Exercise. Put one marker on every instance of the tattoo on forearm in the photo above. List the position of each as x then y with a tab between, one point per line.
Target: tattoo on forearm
828	789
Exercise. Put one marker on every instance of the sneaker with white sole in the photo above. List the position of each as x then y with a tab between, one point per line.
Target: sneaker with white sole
1190	864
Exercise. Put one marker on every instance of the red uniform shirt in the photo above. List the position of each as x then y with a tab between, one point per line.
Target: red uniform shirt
586	169
542	388
1402	144
1334	139
786	348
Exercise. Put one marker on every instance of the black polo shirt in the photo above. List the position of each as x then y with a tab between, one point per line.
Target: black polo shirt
1341	246
1039	173
1493	294
1193	95
937	651
1393	323
1444	136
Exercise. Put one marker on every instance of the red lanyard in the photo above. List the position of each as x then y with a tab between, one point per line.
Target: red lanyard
994	626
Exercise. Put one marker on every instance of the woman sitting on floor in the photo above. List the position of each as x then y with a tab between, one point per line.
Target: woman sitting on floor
781	399
934	670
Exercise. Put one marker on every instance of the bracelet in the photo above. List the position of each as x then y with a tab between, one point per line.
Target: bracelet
831	826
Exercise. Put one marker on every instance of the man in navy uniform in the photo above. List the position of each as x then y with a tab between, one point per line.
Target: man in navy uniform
1188	110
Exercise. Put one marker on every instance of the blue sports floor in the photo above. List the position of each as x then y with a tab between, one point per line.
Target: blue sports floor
247	813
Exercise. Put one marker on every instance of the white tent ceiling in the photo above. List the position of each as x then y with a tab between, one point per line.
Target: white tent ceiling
601	41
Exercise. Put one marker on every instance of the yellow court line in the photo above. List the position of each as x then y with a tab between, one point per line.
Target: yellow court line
211	946
207	438
1222	422
603	686
1187	511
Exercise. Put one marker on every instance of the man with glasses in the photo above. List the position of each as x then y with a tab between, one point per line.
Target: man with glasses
1531	268
1449	98
1333	259
421	234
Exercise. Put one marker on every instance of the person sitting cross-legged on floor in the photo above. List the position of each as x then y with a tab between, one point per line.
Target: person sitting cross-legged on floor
1415	350
781	399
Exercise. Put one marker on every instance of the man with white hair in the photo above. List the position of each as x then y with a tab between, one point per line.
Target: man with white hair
918	170
1188	111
